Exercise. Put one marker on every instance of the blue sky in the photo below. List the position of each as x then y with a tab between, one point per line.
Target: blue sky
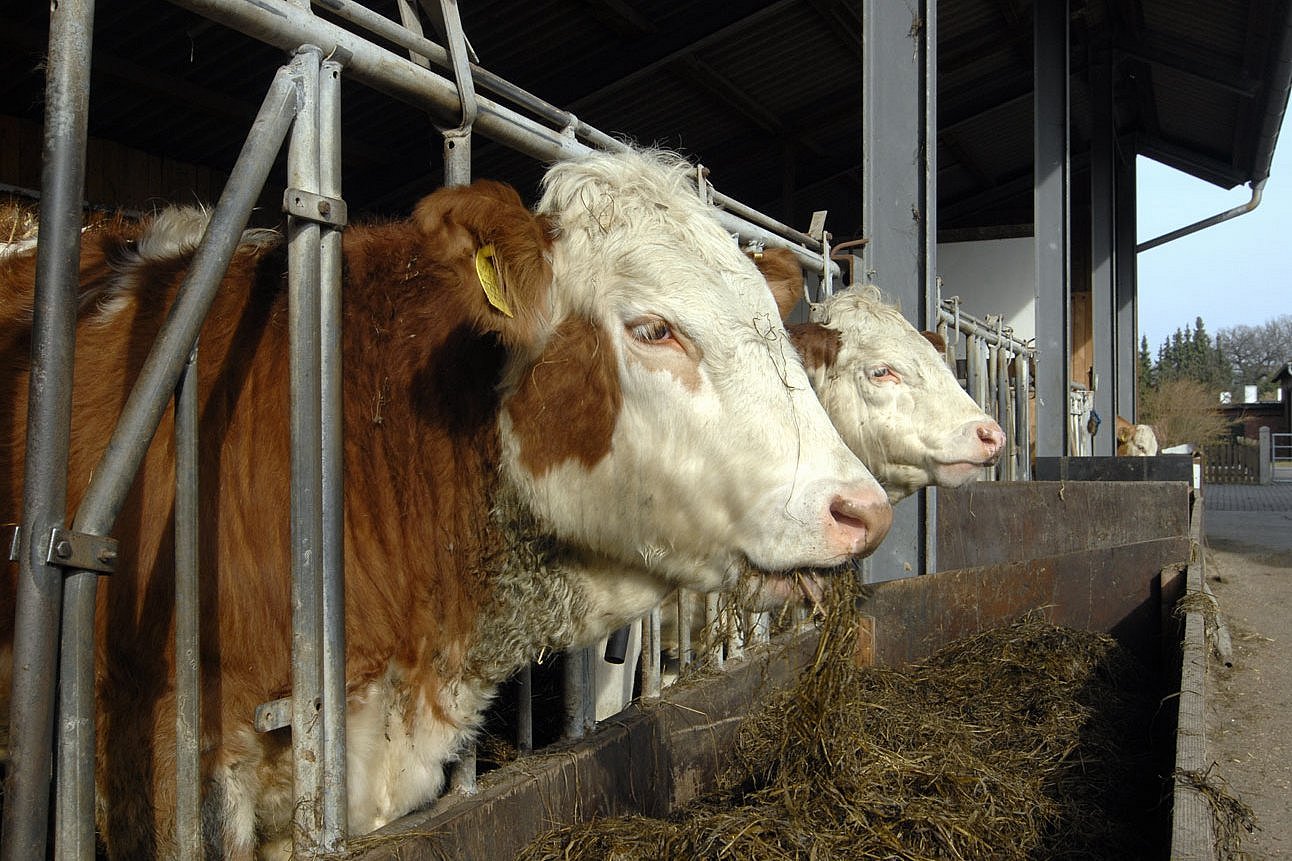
1238	272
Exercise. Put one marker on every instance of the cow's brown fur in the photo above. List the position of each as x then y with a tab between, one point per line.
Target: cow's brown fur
423	352
818	345
784	276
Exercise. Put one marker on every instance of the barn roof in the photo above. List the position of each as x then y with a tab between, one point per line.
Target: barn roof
766	93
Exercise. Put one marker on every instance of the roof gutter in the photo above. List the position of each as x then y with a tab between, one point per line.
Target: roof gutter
1255	201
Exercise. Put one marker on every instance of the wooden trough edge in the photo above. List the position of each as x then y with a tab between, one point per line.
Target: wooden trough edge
1193	831
661	754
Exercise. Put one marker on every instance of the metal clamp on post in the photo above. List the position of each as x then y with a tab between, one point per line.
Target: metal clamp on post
816	230
309	206
457	142
81	552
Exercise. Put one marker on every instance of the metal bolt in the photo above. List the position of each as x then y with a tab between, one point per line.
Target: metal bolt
107	555
63	549
325	207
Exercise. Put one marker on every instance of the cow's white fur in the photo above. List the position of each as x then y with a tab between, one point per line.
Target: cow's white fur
918	430
757	461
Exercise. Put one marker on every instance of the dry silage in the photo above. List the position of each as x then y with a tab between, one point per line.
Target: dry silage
1026	741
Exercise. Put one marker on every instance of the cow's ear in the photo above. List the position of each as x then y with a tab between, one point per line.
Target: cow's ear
817	344
939	343
499	250
1125	433
784	276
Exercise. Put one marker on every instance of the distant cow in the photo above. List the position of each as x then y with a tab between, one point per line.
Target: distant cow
1135	440
625	405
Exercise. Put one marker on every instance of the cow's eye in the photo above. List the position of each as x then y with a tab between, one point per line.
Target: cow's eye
650	330
883	374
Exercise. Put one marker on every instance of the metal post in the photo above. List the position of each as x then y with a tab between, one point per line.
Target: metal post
304	325
457	141
685	650
1265	464
130	439
1051	192
525	710
1126	300
578	691
651	670
712	619
1023	411
333	468
188	652
39	596
1106	376
1001	363
899	151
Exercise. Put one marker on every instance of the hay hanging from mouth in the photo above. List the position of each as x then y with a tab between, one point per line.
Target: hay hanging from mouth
1028	741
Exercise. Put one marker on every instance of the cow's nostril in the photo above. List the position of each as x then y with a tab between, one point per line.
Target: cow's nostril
991	434
866	521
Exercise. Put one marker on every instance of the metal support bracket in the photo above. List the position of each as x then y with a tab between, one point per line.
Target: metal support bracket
81	552
331	211
273	715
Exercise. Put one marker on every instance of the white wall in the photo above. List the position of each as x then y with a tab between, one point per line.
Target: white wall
993	276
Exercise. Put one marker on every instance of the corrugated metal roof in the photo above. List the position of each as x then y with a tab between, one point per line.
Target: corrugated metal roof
765	92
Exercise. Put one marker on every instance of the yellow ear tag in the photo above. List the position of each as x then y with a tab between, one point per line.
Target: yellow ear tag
487	272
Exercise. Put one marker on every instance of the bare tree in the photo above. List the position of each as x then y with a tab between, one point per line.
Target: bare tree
1257	351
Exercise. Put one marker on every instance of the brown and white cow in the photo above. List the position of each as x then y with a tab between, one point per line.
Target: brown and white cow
624	414
1135	440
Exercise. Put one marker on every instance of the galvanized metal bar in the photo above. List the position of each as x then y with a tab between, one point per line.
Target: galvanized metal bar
685	650
188	654
130	439
39	597
1125	290
525	710
965	324
287	27
731	628
578	690
333	468
1023	409
304	327
1103	328
457	140
1001	363
418	44
1051	213
651	670
712	620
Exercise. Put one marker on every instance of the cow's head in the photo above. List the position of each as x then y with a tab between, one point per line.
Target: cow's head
887	388
654	411
1135	440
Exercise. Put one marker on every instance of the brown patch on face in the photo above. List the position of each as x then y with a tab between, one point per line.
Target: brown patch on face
567	405
939	343
818	345
784	276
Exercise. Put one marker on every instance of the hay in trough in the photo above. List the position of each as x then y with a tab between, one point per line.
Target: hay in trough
1026	741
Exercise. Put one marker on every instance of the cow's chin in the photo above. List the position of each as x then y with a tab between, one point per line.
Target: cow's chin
954	473
767	591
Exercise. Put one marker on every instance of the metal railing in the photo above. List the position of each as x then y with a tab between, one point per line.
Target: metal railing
52	596
997	370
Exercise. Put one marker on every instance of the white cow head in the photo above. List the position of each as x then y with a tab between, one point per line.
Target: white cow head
887	388
1135	440
655	411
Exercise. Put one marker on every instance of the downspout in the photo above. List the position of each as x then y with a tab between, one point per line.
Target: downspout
1247	207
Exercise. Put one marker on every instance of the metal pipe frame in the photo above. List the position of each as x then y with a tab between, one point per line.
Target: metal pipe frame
287	27
968	325
39	599
305	329
1105	378
188	651
333	467
125	451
